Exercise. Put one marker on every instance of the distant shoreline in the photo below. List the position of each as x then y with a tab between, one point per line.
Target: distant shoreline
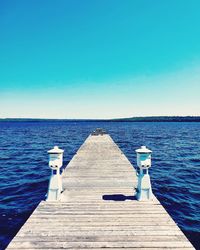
131	119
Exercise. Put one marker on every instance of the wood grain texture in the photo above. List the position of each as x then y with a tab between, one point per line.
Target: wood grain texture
98	208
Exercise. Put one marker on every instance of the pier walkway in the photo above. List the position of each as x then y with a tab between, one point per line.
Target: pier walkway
98	208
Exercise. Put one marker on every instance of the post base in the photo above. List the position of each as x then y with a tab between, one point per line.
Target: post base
144	188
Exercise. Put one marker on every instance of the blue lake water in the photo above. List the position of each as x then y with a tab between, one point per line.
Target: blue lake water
175	171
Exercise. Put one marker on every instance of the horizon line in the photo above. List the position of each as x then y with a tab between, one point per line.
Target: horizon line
116	118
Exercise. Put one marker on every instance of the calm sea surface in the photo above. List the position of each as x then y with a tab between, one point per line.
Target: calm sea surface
175	171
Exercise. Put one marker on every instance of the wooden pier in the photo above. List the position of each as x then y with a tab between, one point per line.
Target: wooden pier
98	208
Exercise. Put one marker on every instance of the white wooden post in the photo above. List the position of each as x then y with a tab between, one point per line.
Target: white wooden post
144	190
55	182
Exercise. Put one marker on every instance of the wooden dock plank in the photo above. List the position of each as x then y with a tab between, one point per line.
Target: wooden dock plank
98	208
96	244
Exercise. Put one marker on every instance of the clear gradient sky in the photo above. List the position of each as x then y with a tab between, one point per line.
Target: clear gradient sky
99	58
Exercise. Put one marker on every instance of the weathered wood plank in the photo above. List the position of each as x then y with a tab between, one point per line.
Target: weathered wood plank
95	232
95	244
101	238
136	248
118	248
135	228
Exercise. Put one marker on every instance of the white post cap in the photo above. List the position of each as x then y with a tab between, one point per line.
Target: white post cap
143	150
55	150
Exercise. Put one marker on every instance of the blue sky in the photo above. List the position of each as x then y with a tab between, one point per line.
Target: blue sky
99	58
